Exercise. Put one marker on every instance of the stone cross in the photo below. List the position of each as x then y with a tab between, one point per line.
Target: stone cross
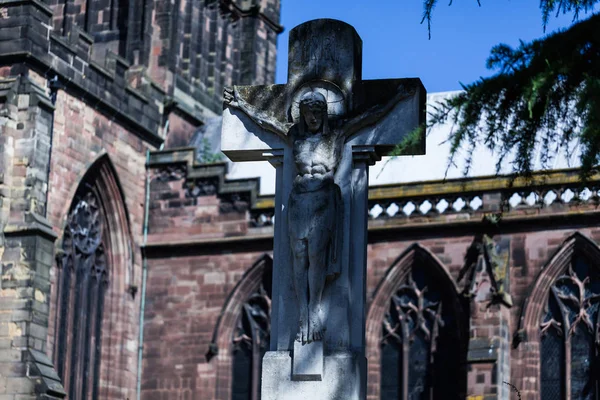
321	131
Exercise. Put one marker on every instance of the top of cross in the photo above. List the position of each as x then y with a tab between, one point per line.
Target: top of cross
325	55
325	50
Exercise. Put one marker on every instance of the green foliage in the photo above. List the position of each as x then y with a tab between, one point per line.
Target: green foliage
545	93
568	6
547	6
411	143
205	154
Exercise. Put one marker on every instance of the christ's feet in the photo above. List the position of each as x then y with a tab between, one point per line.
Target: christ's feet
302	335
316	329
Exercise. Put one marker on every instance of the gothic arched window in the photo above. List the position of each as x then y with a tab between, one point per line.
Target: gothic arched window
251	341
569	335
81	282
420	349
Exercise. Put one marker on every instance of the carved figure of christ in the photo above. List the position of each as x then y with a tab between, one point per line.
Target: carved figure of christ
315	211
315	206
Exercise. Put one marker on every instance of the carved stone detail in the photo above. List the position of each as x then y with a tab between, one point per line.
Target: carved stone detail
171	173
318	126
84	227
411	307
234	202
575	299
262	218
487	271
254	326
201	187
82	283
315	211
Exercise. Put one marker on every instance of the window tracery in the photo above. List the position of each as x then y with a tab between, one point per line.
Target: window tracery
569	335
418	342
82	283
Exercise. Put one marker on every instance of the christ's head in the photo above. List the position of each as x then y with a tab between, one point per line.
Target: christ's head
313	110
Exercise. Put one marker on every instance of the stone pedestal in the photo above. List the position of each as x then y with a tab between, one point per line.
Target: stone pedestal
342	378
308	361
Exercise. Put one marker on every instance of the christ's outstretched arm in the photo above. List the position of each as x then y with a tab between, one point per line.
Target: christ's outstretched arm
262	118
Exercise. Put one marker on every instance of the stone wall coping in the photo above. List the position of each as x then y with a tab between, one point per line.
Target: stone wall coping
158	249
492	217
194	170
461	186
36	224
38	4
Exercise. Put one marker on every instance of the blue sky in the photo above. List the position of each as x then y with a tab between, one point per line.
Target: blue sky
396	45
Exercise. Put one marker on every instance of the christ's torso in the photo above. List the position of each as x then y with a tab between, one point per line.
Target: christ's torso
316	159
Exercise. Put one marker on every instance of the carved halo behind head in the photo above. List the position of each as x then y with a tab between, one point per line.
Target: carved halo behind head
313	98
333	95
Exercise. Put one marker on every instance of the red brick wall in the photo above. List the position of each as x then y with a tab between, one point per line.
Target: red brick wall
174	216
187	292
187	289
180	132
81	135
185	297
530	252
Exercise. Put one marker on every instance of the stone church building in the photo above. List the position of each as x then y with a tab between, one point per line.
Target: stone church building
136	263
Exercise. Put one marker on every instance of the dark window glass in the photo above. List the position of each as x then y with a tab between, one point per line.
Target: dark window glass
582	354
445	374
242	373
420	318
251	339
391	368
417	368
553	359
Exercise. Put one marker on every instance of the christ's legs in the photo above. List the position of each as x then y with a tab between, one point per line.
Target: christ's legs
317	273
300	269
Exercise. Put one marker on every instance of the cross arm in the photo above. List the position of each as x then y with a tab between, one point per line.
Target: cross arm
379	97
262	113
393	109
254	125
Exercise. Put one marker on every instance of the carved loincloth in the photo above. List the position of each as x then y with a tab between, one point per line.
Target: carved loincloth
314	216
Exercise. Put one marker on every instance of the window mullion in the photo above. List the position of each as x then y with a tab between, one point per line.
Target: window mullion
255	359
568	365
405	354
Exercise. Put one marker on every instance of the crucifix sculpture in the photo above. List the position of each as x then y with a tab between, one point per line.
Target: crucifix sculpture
321	131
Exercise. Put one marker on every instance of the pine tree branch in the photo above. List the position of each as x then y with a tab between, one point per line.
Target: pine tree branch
545	92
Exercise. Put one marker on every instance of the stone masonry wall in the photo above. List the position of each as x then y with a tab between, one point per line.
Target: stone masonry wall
199	47
77	93
188	287
198	254
26	241
185	299
81	136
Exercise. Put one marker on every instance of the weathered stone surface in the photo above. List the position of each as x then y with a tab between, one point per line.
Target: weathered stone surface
307	361
322	130
341	378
